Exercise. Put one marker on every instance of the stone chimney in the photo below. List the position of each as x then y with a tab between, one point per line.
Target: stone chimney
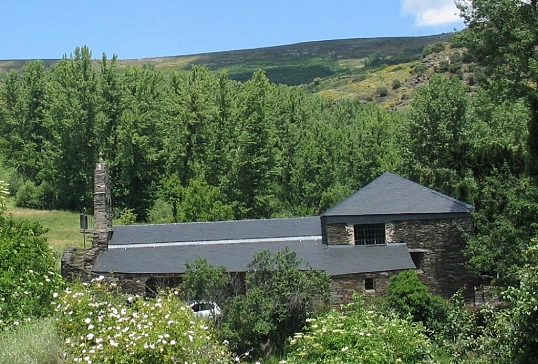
102	206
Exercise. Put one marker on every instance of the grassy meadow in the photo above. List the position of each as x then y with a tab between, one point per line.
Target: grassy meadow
63	226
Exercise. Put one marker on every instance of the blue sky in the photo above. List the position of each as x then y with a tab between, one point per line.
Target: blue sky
34	29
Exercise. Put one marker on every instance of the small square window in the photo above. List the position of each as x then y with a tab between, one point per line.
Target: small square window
369	234
369	284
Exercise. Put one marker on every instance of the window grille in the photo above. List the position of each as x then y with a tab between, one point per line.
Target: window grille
370	234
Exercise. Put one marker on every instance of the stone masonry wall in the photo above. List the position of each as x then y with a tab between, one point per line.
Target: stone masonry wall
441	243
344	286
443	267
340	234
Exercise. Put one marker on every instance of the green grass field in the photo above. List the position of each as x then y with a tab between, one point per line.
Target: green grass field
34	342
63	226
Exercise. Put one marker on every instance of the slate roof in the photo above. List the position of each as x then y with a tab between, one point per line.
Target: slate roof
216	230
335	260
164	248
390	194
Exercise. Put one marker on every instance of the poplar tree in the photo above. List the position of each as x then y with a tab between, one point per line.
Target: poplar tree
502	36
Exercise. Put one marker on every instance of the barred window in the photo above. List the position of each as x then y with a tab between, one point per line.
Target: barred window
369	234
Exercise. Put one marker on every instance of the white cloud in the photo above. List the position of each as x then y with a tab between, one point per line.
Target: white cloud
431	12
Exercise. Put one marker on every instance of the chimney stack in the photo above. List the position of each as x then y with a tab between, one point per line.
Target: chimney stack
102	206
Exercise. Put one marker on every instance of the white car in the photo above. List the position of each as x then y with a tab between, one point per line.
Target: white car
206	309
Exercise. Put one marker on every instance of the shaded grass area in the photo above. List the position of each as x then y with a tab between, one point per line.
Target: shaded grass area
34	342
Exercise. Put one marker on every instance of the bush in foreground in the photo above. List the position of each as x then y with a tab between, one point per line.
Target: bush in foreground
360	336
99	325
27	269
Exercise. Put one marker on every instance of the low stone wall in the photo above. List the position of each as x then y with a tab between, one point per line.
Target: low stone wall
76	263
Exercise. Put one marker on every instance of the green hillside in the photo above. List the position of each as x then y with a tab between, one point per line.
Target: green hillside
294	64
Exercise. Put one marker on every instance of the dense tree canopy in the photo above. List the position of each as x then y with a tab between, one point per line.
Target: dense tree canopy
260	149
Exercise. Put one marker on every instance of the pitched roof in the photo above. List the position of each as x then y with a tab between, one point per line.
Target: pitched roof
335	260
390	194
229	231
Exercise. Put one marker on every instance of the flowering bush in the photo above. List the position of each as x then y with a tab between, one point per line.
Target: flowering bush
99	325
27	269
360	336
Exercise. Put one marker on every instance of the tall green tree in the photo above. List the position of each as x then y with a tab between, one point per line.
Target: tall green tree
74	119
23	128
502	36
194	101
438	131
138	165
253	159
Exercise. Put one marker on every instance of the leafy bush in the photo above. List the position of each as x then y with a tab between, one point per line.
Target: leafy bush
100	325
202	281
396	84
433	48
28	196
382	91
442	67
409	296
27	265
34	197
360	336
127	216
278	299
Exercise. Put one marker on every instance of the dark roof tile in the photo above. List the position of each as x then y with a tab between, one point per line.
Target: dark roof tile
390	194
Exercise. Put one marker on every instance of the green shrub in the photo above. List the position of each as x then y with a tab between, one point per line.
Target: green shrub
27	270
127	217
28	196
15	181
277	302
409	296
357	335
442	67
419	69
382	91
396	84
433	48
35	197
100	325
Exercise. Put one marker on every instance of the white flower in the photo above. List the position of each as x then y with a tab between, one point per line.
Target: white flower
172	342
87	320
55	295
90	336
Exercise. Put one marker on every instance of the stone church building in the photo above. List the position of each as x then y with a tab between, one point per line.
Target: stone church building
390	225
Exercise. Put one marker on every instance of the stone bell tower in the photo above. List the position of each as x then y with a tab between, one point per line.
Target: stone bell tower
102	206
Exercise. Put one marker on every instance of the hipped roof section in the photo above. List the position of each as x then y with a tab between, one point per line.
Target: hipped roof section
390	194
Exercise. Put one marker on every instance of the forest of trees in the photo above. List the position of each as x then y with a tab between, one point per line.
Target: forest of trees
195	145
